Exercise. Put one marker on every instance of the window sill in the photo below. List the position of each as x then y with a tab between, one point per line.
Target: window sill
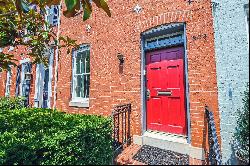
83	104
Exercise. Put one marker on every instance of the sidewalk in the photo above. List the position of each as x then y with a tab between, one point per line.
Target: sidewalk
126	157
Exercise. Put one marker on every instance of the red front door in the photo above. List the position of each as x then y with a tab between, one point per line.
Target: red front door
165	91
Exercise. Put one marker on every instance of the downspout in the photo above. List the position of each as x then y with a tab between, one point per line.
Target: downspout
56	55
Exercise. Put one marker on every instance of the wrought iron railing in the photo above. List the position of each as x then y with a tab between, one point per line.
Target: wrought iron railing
214	148
121	130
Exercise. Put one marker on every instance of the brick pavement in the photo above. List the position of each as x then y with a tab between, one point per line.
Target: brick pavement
126	157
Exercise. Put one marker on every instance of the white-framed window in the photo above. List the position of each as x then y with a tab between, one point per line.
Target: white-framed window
81	75
43	83
25	83
8	83
52	14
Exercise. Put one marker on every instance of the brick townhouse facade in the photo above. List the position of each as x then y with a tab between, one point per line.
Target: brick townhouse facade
157	55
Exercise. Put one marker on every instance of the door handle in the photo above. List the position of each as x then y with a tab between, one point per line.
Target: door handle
155	68
148	94
164	93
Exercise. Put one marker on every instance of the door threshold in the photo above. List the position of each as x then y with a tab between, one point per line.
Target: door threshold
166	136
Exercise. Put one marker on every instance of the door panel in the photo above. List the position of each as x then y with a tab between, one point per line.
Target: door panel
165	82
175	115
155	115
165	54
174	76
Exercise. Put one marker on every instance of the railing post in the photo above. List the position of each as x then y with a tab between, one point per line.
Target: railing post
129	115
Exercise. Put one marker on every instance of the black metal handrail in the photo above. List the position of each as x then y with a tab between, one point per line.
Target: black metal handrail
214	148
121	131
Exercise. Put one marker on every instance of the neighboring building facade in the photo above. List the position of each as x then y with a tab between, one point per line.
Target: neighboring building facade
231	24
167	71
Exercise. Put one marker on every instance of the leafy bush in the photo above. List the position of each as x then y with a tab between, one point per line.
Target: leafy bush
47	137
11	103
242	130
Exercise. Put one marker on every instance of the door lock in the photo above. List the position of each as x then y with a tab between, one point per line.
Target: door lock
148	93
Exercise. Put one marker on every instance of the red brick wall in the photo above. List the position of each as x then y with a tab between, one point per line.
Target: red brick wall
121	34
2	83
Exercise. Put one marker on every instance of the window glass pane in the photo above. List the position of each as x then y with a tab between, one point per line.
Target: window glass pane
86	85
46	80
87	62
78	64
79	86
82	61
24	90
24	84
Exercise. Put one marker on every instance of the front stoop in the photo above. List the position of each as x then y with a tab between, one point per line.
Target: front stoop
126	157
163	141
170	142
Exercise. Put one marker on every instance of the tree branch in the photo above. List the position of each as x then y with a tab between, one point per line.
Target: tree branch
7	14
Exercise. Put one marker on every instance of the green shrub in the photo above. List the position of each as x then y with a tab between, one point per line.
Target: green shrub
242	130
47	137
11	103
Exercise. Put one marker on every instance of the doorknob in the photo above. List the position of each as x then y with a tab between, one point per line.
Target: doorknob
148	93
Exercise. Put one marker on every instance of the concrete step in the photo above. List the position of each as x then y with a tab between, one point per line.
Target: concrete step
166	141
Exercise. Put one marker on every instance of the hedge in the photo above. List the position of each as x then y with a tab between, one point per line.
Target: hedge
47	137
7	103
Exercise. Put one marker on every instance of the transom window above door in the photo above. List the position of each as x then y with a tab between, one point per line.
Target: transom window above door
81	75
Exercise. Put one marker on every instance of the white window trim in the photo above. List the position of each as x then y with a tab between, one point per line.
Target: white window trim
38	85
78	101
40	69
8	83
51	63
